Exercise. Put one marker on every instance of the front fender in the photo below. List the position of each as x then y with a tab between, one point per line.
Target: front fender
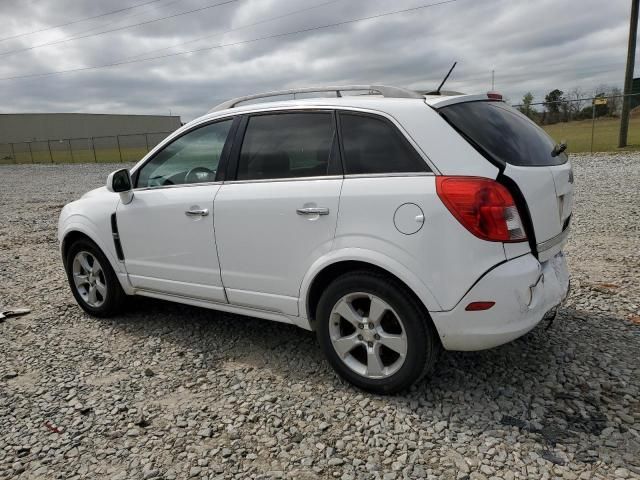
374	258
81	224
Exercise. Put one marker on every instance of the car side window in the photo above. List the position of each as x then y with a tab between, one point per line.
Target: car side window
374	145
287	145
191	158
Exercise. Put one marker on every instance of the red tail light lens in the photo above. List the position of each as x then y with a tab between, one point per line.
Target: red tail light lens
483	206
479	306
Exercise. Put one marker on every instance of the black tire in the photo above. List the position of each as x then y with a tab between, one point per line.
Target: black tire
114	299
422	341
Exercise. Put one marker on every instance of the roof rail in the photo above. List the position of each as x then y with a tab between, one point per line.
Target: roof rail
384	90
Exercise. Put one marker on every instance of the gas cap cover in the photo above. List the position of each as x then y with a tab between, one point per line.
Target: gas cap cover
408	218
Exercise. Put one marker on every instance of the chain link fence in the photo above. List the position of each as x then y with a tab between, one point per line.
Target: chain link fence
107	149
589	124
586	124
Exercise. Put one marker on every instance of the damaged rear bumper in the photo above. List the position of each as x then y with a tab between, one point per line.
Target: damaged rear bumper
524	291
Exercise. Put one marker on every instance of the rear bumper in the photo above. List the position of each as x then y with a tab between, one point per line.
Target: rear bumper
523	290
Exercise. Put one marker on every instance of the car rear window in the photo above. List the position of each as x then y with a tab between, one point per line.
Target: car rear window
503	134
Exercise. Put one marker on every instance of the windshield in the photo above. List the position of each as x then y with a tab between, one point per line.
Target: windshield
503	134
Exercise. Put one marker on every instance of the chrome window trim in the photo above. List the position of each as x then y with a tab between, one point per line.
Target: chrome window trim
161	187
552	242
392	174
333	177
267	107
288	179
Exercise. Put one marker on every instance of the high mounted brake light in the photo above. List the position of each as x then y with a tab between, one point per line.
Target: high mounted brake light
483	206
494	96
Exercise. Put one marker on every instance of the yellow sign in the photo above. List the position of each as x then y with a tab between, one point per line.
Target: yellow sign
599	101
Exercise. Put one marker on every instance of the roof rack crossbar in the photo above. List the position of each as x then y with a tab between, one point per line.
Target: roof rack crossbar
384	90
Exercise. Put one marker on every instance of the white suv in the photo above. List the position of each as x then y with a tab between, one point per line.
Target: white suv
391	223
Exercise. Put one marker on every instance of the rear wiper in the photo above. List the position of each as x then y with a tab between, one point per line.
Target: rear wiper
558	149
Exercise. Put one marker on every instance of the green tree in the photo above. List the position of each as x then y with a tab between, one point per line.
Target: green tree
526	108
552	101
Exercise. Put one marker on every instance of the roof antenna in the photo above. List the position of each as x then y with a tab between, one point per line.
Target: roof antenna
437	92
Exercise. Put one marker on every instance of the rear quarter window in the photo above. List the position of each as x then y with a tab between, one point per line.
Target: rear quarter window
373	145
503	134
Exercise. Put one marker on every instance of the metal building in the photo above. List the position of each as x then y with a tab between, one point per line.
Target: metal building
32	127
80	137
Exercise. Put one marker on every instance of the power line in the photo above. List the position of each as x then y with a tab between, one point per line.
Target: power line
119	20
223	45
266	20
112	12
569	100
69	39
524	76
485	76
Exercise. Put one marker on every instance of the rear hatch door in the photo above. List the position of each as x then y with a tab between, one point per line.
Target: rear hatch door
525	155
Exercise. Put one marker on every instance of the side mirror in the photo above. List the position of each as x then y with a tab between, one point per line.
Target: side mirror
120	182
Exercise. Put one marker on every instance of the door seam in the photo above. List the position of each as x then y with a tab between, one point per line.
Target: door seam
215	242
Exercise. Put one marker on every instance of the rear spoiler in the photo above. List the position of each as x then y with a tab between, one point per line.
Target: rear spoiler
437	101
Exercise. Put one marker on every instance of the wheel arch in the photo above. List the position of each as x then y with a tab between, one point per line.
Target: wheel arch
322	273
69	239
74	231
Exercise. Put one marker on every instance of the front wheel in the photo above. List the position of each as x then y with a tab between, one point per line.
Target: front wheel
92	280
374	333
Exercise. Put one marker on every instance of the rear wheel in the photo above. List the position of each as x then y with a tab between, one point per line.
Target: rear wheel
374	333
92	280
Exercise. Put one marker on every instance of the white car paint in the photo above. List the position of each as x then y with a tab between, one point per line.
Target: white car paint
254	255
90	215
535	184
447	268
524	290
167	250
265	246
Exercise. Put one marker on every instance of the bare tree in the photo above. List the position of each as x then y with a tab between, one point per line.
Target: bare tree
576	96
600	90
615	101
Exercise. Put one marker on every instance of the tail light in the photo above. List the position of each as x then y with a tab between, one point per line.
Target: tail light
483	206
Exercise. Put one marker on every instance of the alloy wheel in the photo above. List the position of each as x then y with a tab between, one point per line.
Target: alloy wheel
368	335
89	279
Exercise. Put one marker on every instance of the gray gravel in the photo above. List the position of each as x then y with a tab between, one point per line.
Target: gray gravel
169	391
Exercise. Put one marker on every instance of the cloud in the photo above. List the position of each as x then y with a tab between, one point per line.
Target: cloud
532	46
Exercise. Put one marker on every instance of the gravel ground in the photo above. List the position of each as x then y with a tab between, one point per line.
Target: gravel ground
170	391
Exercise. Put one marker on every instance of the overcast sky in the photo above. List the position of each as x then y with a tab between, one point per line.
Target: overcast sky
532	46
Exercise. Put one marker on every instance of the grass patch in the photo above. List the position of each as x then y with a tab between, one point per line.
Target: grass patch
86	155
577	134
605	135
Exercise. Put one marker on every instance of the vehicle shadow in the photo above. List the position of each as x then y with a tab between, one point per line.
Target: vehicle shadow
536	384
216	337
513	367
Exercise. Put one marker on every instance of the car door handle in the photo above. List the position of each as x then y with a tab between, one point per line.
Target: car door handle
313	211
197	212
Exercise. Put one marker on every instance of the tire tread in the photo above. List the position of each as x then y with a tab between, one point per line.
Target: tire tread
116	297
433	347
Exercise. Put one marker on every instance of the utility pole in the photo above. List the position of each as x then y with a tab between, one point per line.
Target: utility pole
493	78
628	77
